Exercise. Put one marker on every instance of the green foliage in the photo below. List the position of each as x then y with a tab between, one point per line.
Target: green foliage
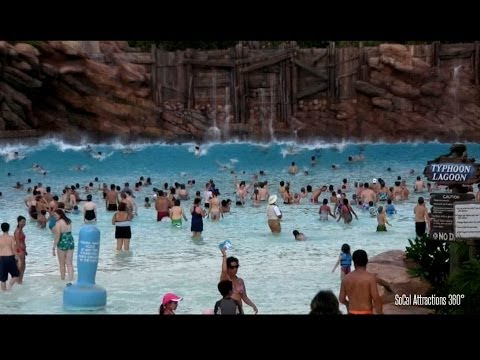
144	45
313	44
34	43
183	45
344	44
465	281
371	43
433	260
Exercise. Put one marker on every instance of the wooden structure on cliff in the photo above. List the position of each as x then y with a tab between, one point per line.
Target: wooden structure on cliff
267	83
263	84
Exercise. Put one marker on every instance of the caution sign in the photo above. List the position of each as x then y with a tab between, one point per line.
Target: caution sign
466	220
443	228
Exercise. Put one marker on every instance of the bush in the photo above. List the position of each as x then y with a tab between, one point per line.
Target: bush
144	45
465	281
433	260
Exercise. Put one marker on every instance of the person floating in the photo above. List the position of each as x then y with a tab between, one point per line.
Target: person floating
298	235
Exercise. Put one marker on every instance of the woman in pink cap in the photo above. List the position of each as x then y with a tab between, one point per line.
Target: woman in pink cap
169	304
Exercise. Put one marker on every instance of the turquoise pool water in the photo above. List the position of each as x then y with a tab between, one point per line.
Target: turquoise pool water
281	274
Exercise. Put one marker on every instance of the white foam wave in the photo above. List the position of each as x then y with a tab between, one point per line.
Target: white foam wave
199	150
118	144
12	156
8	151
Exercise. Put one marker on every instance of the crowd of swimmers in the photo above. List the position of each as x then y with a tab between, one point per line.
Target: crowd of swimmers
372	197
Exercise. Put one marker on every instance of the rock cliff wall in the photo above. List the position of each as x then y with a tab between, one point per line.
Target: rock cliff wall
105	90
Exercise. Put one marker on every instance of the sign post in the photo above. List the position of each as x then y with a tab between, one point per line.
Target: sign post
458	172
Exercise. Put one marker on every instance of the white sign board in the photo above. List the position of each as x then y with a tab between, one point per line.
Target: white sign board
466	219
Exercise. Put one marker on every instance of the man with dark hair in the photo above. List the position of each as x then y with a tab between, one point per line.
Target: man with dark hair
360	287
8	264
421	217
227	305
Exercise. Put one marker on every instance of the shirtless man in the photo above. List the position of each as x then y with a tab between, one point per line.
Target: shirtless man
48	194
262	192
161	205
419	185
7	258
317	193
293	169
421	217
368	194
183	193
111	201
360	287
359	189
397	192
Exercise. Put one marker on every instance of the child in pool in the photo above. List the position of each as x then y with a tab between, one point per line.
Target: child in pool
344	260
298	235
147	203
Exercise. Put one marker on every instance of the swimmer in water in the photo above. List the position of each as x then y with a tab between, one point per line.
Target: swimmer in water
98	155
298	235
79	168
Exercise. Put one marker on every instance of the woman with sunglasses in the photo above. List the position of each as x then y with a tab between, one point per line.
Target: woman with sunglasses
230	267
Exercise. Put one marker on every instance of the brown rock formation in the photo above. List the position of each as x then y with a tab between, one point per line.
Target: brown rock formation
59	87
393	279
400	96
105	89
